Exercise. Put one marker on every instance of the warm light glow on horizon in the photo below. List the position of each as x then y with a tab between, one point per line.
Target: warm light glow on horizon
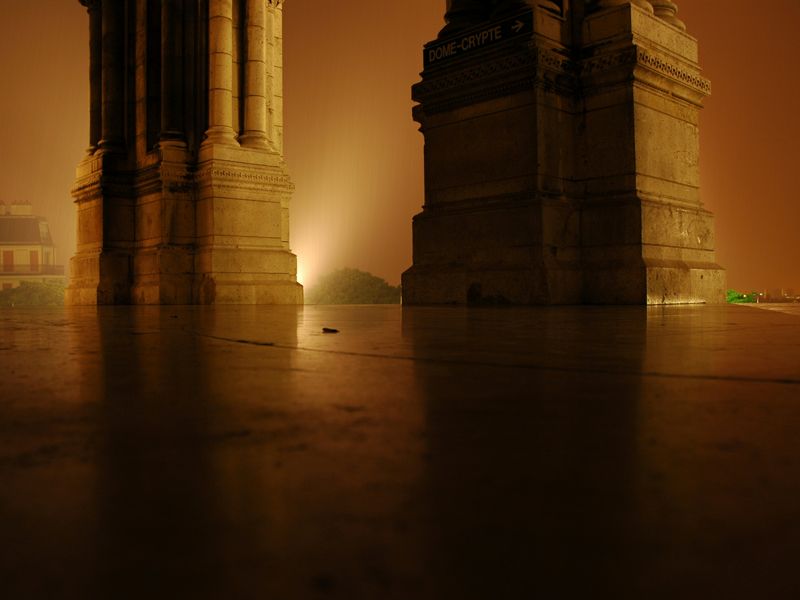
355	154
300	273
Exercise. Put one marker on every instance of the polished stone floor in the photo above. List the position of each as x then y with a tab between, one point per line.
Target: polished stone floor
192	453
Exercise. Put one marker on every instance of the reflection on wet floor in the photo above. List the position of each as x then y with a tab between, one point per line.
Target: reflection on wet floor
789	309
419	453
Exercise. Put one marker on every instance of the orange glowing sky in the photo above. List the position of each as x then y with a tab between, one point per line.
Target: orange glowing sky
356	156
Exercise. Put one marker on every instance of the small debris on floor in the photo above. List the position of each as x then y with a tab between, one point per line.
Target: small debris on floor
329	330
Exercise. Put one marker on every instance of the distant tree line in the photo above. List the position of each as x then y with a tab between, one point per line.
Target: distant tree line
351	286
735	297
34	294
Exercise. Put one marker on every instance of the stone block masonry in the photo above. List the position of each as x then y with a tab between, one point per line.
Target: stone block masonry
562	162
183	196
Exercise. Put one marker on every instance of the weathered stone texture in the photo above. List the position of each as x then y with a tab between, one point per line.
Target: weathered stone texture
181	198
562	166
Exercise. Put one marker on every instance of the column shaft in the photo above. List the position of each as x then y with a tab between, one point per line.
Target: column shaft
220	59
113	75
171	70
255	101
276	99
269	36
95	75
463	14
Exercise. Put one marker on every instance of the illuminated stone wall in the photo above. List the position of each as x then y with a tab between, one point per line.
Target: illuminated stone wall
183	196
562	158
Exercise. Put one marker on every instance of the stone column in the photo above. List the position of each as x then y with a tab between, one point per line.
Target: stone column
269	89
220	60
171	71
277	75
640	3
255	99
667	11
463	14
113	75
504	8
95	72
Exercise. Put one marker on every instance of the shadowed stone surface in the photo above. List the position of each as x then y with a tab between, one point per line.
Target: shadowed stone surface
183	195
562	145
238	452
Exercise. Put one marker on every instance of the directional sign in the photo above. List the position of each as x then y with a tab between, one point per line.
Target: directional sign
489	35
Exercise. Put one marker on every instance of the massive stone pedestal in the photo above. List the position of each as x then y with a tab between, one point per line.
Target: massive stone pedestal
561	159
183	196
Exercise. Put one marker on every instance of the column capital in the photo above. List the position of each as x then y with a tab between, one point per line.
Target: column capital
640	3
90	4
501	7
463	14
667	11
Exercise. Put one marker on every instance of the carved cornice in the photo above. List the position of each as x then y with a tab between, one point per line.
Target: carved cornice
673	70
638	56
243	178
496	76
554	62
606	62
504	74
99	185
86	187
175	173
164	176
176	177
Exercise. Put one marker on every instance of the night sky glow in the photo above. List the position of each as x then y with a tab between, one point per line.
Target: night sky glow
355	154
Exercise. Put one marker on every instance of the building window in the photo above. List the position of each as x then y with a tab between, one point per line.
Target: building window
8	261
34	261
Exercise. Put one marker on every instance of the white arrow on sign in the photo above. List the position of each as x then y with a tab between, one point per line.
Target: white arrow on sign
517	27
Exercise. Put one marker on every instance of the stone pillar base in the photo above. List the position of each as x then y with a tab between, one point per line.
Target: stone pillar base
563	168
172	209
654	282
99	278
645	251
219	289
163	276
246	276
509	252
461	285
676	282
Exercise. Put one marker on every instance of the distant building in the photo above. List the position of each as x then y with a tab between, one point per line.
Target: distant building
26	247
778	296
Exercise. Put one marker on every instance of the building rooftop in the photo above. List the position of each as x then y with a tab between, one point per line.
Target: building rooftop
24	230
420	453
18	208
